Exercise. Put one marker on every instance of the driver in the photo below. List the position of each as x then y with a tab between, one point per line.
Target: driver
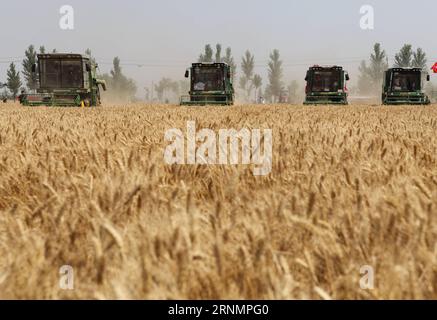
199	86
397	84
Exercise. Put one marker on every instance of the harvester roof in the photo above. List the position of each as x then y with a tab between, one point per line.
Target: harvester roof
317	67
405	69
209	64
62	56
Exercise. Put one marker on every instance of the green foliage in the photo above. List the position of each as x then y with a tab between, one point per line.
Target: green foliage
120	88
13	80
243	83
30	78
364	80
229	60
371	76
293	89
275	76
403	59
407	58
206	57
257	83
419	59
89	54
218	53
167	86
164	85
247	67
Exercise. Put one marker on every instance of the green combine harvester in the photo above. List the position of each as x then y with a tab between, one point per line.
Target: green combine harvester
65	80
326	85
211	84
404	86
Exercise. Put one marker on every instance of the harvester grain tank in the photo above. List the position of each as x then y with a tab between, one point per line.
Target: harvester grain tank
65	80
404	86
326	85
210	84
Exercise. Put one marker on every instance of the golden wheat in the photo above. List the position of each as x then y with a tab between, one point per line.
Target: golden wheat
350	186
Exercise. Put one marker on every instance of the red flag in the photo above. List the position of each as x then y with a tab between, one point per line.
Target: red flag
434	68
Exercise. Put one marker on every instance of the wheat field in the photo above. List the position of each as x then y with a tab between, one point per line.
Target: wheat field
350	187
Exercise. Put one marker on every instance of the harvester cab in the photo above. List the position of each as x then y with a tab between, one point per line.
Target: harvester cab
65	80
210	84
326	85
404	86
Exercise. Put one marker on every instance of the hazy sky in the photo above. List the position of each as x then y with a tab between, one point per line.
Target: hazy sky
165	36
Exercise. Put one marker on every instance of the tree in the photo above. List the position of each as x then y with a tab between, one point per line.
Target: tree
13	80
247	66
419	59
268	93
218	53
275	75
184	87
229	60
42	50
120	87
257	83
243	83
378	64
403	59
371	76
165	85
29	61
293	88
364	80
89	54
206	57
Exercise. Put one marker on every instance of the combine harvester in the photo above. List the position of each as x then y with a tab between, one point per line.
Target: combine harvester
211	84
65	80
404	86
326	85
